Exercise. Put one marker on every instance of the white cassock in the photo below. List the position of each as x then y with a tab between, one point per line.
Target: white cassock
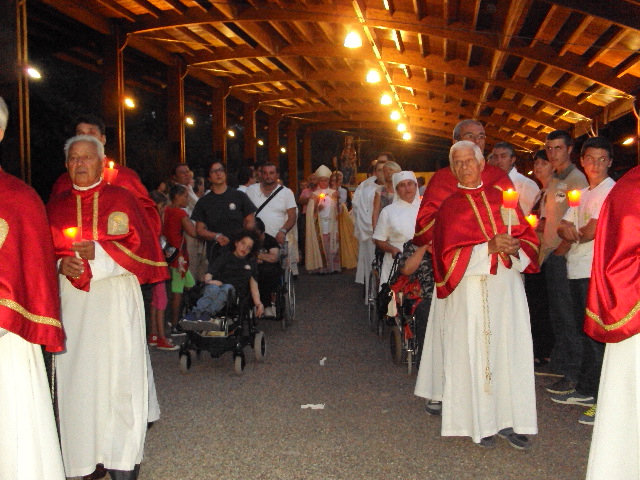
104	374
363	210
29	447
485	382
617	425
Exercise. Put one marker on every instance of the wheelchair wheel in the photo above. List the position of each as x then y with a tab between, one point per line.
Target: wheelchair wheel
185	362
260	346
238	364
372	299
395	344
290	298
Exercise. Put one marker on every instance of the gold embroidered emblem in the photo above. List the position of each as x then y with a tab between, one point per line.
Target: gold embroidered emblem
118	223
4	231
504	212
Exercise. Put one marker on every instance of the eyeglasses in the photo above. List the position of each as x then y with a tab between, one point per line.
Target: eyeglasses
473	137
217	170
595	161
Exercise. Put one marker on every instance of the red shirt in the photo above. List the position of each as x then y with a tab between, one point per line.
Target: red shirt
172	230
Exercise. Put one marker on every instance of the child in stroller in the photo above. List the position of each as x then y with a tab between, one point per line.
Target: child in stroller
232	270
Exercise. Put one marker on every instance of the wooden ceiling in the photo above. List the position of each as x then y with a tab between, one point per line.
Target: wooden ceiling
523	67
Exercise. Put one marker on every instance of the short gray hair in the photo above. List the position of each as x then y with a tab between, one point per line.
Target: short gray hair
4	114
84	138
458	127
461	145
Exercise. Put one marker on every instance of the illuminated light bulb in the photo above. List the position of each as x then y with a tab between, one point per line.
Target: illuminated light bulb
33	73
283	150
353	40
385	99
231	133
395	115
628	141
373	76
406	136
530	172
402	127
129	102
189	120
261	142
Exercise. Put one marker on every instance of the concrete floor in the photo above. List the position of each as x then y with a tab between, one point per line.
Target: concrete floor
216	425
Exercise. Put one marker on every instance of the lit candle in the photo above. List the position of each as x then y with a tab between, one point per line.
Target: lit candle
510	201
110	173
73	234
574	198
533	220
510	198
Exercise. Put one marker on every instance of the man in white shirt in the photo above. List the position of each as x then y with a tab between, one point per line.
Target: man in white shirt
504	157
279	215
578	228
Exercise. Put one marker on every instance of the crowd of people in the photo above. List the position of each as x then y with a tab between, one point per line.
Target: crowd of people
499	295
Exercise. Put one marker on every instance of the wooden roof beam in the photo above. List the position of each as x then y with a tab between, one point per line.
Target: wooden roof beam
214	32
575	36
601	46
451	10
396	35
118	9
149	7
626	17
630	62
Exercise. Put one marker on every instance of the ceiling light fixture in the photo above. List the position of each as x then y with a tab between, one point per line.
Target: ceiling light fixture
395	115
231	133
402	127
373	76
33	73
261	142
628	141
283	150
129	103
353	40
385	99
406	136
189	120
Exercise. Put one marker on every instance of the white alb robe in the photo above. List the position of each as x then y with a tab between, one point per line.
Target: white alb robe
615	445
454	364
29	447
104	373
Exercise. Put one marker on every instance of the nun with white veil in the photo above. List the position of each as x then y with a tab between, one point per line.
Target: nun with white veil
396	224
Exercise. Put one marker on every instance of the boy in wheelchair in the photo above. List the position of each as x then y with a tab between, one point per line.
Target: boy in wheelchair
232	271
269	269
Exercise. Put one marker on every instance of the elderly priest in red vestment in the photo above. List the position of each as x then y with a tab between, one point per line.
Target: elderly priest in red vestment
104	376
29	318
486	354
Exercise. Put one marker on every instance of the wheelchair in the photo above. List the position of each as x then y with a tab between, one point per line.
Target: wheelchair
403	341
285	292
229	331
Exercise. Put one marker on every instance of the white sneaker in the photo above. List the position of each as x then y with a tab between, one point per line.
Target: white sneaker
270	311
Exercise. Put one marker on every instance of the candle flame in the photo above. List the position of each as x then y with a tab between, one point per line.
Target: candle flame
533	220
111	164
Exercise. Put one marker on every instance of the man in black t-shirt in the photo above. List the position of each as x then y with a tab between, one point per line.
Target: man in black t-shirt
222	212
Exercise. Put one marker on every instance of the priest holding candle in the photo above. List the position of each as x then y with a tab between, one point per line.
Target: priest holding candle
322	254
104	379
487	357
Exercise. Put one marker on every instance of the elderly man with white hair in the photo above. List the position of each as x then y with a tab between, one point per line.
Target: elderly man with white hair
478	354
322	245
105	248
397	221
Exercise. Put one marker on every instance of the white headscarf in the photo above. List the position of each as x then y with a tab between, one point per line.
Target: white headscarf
399	177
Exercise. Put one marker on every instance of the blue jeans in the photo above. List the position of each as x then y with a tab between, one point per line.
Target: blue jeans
566	355
213	299
592	350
